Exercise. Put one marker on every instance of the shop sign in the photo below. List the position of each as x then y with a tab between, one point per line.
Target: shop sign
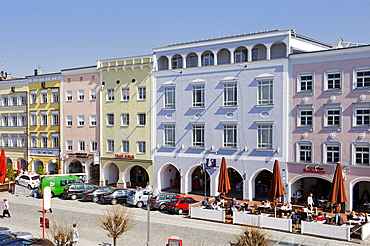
313	169
124	156
81	155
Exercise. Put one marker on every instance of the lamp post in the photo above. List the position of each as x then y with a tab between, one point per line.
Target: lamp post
203	165
150	189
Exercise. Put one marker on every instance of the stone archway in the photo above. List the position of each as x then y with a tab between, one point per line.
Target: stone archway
75	166
110	173
262	184
200	181
138	176
36	165
169	178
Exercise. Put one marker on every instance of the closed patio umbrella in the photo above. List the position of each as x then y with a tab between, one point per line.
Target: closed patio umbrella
224	181
277	188
338	191
3	167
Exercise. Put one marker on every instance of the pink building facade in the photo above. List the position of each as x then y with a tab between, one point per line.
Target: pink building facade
330	123
81	106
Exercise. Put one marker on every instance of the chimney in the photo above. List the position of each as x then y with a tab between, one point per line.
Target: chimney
35	72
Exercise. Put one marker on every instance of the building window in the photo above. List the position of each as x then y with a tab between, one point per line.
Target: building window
81	120
5	141
55	95
81	145
110	119
125	119
125	94
305	152
5	101
241	55
110	94
44	141
44	96
169	97
92	94
69	96
14	120
332	153
110	145
69	145
93	120
230	136
125	146
23	101
55	115
207	59
55	142
81	95
177	62
198	136
141	118
33	97
141	147
305	117
14	141
141	93
265	93
230	94
306	82
169	135
23	120
333	81
362	155
265	136
198	96
33	118
33	141
14	101
362	117
93	146
5	120
363	79
44	118
69	120
23	141
333	117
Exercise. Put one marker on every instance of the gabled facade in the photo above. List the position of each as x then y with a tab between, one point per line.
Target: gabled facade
80	97
125	146
224	97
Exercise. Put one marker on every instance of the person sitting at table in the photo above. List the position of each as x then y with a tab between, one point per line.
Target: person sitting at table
298	194
283	216
288	206
361	218
319	217
233	209
267	203
214	206
205	202
233	202
352	215
294	218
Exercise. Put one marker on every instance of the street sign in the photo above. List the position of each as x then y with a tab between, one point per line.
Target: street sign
47	198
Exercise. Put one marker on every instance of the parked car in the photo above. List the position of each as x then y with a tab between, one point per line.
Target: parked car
138	197
114	196
31	181
93	194
57	183
159	201
17	242
179	204
73	191
7	236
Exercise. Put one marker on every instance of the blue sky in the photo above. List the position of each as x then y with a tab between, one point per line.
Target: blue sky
62	34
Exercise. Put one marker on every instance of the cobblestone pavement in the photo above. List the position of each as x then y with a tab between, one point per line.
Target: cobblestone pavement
26	211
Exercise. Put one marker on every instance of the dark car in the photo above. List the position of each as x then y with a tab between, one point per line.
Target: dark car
7	236
74	191
114	196
93	194
17	242
159	201
179	204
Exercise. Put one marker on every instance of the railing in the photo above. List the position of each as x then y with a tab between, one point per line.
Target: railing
207	214
330	231
365	231
262	221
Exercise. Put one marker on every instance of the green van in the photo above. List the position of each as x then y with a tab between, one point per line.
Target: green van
57	183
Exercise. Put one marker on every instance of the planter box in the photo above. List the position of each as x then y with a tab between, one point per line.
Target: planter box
207	214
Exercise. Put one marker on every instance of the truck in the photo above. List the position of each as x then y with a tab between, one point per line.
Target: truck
57	182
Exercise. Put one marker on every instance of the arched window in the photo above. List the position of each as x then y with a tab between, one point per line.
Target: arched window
177	62
259	53
192	60
163	63
241	55
278	50
207	58
223	57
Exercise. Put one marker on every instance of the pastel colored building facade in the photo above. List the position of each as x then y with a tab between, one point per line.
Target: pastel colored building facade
125	142
13	121
80	97
224	97
331	122
44	122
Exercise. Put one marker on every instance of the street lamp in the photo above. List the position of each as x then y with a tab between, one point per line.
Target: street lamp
150	191
203	165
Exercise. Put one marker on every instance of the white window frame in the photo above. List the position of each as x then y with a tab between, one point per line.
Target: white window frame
69	96
55	95
305	82
23	141
81	145
110	119
110	145
332	78
141	147
198	96
5	120
198	136
110	94
33	140
125	119
93	95
14	120
170	135
14	141
125	92
5	101
23	100
81	120
44	140
22	120
331	116
93	120
328	150
81	95
5	140
365	146
362	81
69	120
55	117
93	146
170	97
44	118
125	146
33	97
265	141
303	118
14	100
141	119
55	140
44	96
307	151
364	117
230	136
141	93
264	98
33	118
69	145
230	91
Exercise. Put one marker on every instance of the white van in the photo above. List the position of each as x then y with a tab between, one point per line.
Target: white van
138	197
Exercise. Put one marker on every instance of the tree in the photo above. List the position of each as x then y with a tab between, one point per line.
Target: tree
116	220
10	174
60	233
251	236
40	171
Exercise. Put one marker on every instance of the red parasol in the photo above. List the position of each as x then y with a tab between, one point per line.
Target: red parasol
224	181
18	167
277	188
3	167
338	190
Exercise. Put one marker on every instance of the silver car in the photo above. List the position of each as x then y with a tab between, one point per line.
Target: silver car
159	201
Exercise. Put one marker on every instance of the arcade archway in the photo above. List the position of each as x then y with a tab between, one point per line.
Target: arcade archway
94	173
200	181
319	187
138	176
111	174
361	196
75	166
236	182
169	179
262	186
37	165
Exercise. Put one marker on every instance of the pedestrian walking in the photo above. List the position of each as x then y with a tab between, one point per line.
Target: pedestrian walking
74	235
5	208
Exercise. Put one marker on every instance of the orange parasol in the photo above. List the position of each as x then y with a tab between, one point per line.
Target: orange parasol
277	188
224	181
338	191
